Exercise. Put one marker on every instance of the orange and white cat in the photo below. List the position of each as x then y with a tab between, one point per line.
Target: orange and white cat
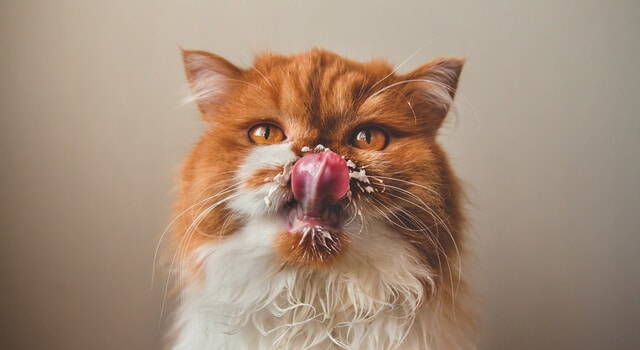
318	211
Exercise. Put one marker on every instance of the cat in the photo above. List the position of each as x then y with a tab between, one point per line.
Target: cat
318	211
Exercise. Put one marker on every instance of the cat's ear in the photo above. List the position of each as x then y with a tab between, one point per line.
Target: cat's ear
209	76
433	87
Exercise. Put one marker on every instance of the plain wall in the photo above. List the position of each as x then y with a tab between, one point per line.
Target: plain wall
546	137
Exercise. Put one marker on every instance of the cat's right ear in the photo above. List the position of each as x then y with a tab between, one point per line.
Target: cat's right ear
209	77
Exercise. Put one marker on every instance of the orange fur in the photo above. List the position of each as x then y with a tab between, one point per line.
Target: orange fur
305	253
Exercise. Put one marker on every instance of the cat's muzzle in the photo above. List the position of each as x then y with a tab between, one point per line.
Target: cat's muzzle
319	181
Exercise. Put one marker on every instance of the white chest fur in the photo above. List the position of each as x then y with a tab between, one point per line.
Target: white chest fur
371	299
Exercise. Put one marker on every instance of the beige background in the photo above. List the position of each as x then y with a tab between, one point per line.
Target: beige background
547	136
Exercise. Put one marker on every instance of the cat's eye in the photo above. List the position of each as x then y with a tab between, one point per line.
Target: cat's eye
266	134
370	138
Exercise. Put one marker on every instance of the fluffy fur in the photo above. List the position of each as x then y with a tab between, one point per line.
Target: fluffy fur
389	277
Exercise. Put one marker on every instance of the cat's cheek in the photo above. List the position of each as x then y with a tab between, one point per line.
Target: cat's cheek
250	202
261	157
258	193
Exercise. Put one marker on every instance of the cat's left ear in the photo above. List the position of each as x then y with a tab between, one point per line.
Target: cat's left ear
210	78
433	86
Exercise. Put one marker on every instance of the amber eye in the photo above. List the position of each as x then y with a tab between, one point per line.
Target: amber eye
370	138
266	134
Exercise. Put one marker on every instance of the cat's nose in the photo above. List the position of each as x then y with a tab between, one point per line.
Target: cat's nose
319	180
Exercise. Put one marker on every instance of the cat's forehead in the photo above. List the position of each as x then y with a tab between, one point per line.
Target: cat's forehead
319	82
316	61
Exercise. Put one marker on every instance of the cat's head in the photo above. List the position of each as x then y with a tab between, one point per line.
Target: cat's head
323	154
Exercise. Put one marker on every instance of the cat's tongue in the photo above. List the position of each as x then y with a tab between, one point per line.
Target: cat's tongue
319	180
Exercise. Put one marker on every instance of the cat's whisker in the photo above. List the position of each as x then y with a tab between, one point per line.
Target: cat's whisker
396	68
442	224
354	211
429	81
181	250
423	206
439	196
361	91
413	112
447	99
420	227
166	230
265	78
192	229
398	222
155	255
358	212
385	214
436	244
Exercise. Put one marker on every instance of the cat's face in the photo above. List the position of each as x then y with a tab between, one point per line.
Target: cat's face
323	156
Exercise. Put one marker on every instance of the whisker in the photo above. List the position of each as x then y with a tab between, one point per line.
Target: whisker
362	85
416	221
459	94
447	87
166	230
410	183
196	222
396	68
181	250
181	254
265	78
422	205
434	215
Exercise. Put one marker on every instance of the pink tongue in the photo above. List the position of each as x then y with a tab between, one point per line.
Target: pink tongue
319	180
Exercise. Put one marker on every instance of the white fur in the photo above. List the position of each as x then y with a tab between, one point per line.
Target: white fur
252	203
371	298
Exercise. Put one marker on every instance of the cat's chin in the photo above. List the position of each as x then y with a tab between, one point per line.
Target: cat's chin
327	218
312	240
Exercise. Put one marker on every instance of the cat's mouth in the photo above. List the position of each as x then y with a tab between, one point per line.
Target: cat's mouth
298	220
314	218
318	182
312	240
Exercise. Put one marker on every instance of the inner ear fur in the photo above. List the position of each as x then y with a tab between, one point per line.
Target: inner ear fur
209	77
432	87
